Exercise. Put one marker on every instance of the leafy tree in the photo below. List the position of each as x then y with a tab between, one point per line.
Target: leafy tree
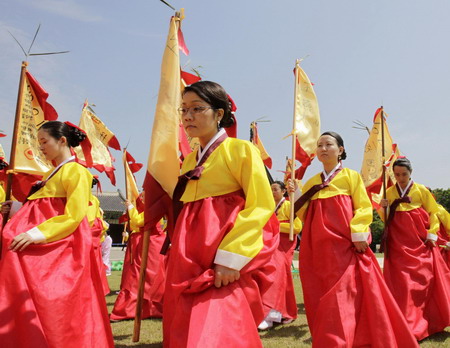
377	227
442	197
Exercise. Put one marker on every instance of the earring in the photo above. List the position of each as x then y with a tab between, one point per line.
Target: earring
339	158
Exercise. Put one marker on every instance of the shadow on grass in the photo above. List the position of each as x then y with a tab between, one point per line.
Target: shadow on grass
437	337
301	308
291	330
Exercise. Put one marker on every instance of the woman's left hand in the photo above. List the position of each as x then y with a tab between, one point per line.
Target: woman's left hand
20	242
224	276
361	246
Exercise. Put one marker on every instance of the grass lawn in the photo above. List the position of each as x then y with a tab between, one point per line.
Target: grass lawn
295	334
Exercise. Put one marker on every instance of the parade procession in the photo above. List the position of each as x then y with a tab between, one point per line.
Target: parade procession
167	178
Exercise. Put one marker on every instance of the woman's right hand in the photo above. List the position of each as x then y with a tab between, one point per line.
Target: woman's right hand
224	275
384	203
6	207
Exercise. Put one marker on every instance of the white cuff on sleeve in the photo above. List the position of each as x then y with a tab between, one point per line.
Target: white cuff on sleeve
36	235
432	236
360	236
131	206
231	260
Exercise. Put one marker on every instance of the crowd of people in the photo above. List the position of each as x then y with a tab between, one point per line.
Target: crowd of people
227	272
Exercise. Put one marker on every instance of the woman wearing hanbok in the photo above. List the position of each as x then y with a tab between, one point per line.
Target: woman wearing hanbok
50	288
224	236
125	305
413	267
98	228
279	301
347	302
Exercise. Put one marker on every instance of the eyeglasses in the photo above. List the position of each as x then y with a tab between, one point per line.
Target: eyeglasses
195	110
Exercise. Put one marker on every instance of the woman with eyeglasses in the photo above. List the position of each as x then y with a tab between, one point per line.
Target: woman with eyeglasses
414	269
50	287
347	302
224	234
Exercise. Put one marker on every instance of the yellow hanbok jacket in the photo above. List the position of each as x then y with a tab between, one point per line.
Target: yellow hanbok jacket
235	165
421	197
283	214
347	182
73	182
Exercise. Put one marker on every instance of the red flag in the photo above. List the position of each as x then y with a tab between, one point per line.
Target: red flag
255	139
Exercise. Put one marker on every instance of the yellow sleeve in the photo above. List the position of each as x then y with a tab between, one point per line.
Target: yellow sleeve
284	213
431	207
362	209
245	239
136	219
76	182
2	194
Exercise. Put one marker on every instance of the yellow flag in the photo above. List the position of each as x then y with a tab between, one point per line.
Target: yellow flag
306	118
163	162
100	137
130	181
28	158
373	161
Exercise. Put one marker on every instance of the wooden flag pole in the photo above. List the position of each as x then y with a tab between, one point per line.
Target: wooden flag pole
13	145
294	136
142	273
383	173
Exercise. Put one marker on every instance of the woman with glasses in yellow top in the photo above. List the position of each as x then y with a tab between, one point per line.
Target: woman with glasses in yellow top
222	241
50	288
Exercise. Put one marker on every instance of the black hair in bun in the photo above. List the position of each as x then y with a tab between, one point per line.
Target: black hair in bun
215	95
339	141
57	129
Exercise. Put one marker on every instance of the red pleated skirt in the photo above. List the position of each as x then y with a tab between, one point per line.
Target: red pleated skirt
346	300
416	274
97	229
281	295
197	314
125	305
51	294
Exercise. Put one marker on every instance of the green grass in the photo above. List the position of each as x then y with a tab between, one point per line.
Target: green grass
295	334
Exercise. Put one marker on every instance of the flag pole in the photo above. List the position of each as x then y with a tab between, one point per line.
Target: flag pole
12	154
145	247
383	173
294	135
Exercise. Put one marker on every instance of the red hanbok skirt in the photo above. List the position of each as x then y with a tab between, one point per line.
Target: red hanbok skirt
443	239
196	313
417	274
281	295
97	229
51	294
346	300
125	305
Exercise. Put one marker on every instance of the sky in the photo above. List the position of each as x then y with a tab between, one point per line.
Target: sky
360	54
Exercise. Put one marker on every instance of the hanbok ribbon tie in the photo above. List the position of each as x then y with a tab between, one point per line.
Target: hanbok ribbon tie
314	189
193	174
404	198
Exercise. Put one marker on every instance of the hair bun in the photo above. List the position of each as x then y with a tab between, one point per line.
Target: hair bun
76	135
